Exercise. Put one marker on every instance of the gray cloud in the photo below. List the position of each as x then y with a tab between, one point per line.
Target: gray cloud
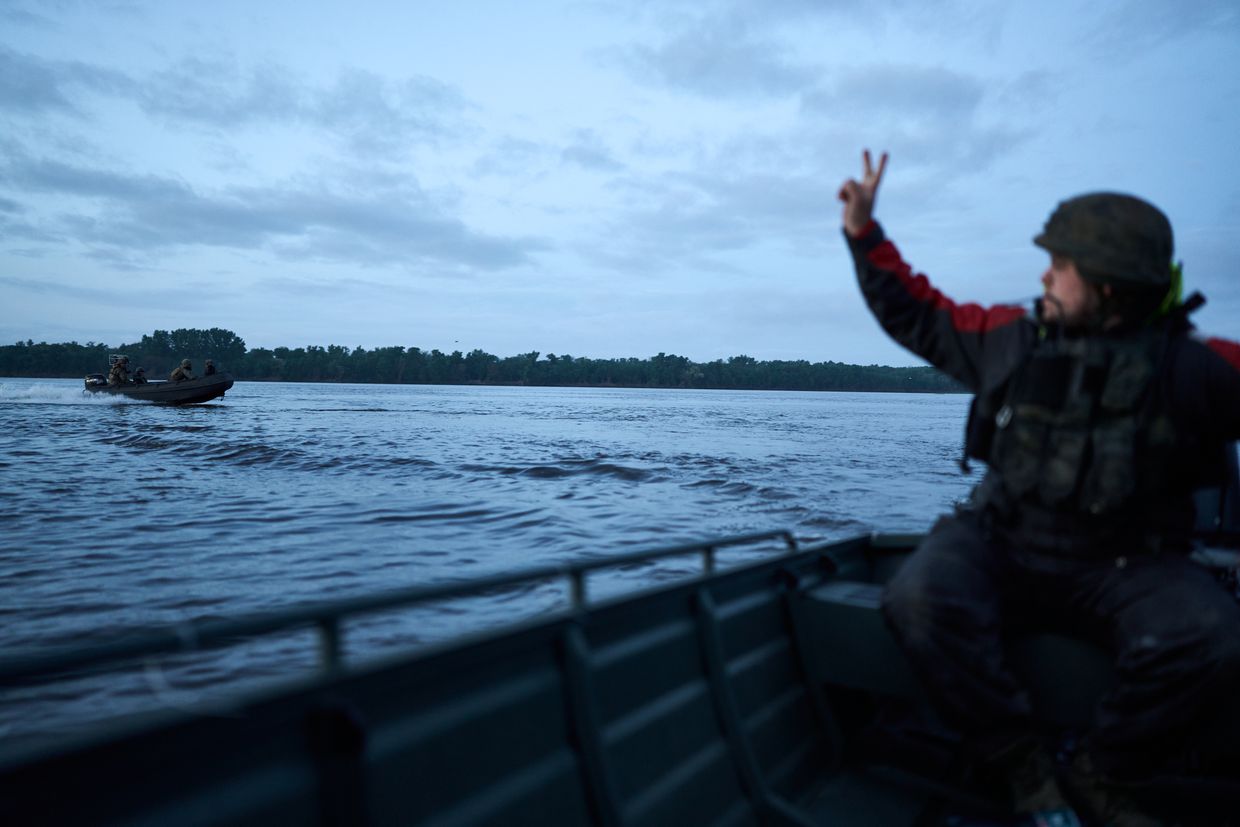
697	218
902	91
741	48
1130	27
928	115
21	17
718	58
217	93
589	150
367	113
511	157
77	293
757	189
376	115
33	85
139	215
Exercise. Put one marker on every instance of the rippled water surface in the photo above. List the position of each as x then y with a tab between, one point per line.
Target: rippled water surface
117	513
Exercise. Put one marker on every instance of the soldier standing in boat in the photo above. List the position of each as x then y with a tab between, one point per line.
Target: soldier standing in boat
182	372
119	374
1098	414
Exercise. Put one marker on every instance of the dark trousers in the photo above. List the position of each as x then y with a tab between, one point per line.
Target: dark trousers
1173	630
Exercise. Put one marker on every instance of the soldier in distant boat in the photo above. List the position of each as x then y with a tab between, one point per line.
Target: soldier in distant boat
183	372
210	369
119	374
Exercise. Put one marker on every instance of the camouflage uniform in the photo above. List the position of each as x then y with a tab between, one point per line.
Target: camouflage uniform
119	374
182	372
1095	439
210	369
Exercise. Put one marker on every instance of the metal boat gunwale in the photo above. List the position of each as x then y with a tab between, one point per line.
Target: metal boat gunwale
44	665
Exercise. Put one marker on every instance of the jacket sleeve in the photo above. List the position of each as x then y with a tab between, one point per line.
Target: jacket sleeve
965	341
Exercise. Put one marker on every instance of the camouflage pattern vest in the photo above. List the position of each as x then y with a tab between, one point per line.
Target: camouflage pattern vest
1081	452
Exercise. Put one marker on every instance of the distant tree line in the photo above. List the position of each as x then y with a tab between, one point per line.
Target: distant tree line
163	350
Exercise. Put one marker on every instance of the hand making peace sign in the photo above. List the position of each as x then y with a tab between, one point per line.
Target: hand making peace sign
859	196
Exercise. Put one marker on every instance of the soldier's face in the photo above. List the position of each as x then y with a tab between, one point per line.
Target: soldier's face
1067	298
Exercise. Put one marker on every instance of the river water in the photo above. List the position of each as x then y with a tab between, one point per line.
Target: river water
118	514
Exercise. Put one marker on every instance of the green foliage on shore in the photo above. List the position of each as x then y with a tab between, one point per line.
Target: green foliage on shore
162	350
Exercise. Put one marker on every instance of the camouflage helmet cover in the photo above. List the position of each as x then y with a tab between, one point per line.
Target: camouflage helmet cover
185	363
1111	237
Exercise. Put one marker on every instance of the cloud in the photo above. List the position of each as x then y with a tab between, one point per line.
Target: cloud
589	151
1128	28
21	17
746	50
724	58
131	216
86	295
380	116
370	113
32	85
930	115
914	92
217	93
511	157
365	112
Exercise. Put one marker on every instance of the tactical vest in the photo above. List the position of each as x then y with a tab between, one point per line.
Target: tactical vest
1082	455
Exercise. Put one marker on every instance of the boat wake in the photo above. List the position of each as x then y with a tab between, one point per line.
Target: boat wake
56	395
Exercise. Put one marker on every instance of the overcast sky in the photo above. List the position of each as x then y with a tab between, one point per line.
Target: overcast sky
598	179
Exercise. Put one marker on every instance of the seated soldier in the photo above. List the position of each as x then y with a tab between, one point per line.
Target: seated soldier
182	372
139	376
210	369
119	374
1097	415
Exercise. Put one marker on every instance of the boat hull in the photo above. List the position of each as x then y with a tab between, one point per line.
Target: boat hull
188	392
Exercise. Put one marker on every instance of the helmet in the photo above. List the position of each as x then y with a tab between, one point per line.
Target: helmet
185	363
209	362
1112	238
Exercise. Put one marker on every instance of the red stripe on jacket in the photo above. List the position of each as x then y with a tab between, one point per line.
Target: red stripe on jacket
966	318
1228	350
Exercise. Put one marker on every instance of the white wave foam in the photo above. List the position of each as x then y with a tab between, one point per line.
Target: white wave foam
44	393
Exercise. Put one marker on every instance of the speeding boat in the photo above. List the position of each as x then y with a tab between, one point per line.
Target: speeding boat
187	392
767	691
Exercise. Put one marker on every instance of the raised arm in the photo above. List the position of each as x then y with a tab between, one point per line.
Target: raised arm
952	337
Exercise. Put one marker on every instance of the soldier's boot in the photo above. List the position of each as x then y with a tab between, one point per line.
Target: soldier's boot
1029	773
1107	803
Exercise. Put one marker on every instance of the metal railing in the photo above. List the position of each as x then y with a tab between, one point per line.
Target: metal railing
54	664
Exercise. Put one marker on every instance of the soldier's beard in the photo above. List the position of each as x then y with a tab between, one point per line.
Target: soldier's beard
1090	317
